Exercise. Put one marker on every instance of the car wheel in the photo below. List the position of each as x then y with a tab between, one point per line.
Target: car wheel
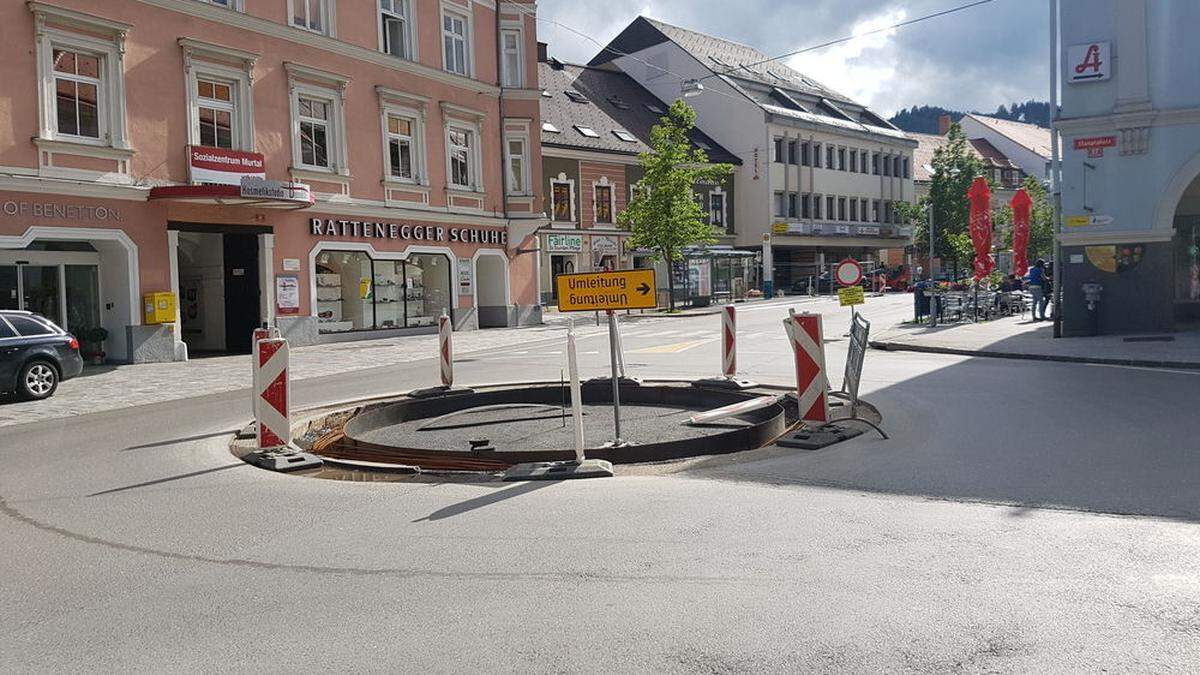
38	380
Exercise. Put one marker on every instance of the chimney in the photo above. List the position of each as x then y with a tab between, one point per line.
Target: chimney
943	125
542	51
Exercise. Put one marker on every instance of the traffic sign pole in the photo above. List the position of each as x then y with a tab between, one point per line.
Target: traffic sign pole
616	382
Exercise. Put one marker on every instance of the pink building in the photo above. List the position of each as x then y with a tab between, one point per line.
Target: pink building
339	168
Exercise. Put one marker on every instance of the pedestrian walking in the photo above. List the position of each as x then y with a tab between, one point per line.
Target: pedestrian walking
1037	288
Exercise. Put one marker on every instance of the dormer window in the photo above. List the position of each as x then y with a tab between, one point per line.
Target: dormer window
550	128
624	135
587	132
576	96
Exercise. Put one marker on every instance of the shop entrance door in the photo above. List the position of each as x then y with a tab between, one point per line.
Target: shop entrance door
241	290
559	264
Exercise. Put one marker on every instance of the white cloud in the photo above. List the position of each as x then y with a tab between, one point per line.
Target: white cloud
863	68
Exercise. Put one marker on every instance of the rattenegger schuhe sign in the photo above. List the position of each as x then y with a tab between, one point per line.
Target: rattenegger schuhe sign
338	228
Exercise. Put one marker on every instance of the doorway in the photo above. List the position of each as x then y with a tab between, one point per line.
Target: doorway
219	289
559	264
60	281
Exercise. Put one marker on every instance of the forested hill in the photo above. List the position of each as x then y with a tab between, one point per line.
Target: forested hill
924	119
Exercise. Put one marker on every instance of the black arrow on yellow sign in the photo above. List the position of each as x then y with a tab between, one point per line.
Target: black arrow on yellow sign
643	289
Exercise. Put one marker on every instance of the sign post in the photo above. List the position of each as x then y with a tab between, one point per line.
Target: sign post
608	292
849	275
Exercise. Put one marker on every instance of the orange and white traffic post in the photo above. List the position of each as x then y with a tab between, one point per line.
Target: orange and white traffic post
272	394
729	342
256	335
446	349
812	383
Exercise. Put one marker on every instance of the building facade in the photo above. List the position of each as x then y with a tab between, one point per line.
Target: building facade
1130	126
595	123
338	169
820	173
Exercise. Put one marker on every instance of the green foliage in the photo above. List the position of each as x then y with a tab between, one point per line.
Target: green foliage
664	215
954	167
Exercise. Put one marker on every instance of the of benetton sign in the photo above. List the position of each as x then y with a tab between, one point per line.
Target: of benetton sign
223	167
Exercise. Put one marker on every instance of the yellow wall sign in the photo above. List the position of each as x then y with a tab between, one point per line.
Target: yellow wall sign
779	228
592	291
851	295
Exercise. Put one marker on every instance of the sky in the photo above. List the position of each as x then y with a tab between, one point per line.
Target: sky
976	59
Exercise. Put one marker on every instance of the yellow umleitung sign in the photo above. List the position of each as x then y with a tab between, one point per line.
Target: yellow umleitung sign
592	291
779	228
851	295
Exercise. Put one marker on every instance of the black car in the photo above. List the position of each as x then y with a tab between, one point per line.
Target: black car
35	355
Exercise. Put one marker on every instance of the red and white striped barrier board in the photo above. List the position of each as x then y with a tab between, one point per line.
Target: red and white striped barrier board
812	384
729	342
256	335
446	349
272	394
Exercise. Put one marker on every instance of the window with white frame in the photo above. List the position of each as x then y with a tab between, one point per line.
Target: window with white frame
216	112
510	58
313	15
603	201
314	116
562	204
460	145
716	209
396	26
81	79
78	86
401	147
456	43
220	106
516	163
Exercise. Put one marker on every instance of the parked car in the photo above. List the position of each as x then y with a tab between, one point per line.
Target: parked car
35	355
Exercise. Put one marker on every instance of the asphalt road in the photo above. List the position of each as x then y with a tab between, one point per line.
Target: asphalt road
985	535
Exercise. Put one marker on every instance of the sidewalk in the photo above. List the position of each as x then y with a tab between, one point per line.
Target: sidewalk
111	387
1022	338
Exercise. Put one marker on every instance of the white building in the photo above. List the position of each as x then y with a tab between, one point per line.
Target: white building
820	173
1130	125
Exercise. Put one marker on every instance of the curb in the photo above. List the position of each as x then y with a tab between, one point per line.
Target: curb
1140	363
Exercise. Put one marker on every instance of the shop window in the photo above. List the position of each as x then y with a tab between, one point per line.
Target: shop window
510	58
456	43
395	22
603	195
561	196
356	292
216	112
516	163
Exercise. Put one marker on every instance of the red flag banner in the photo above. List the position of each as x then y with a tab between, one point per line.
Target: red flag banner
981	227
1021	205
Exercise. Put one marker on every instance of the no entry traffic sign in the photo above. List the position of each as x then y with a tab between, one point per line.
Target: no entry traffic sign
594	291
848	272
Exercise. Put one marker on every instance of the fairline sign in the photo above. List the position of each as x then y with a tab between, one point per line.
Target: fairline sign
330	228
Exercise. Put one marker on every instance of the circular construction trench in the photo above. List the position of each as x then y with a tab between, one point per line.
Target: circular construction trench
492	429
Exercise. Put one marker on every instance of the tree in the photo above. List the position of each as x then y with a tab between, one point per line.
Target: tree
664	215
954	167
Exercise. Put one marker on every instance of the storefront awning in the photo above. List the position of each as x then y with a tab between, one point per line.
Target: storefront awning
258	194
